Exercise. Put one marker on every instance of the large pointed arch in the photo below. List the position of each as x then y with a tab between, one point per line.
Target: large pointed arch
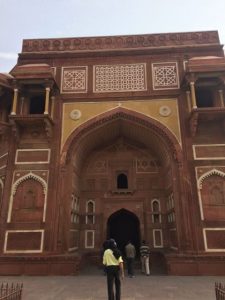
135	129
163	134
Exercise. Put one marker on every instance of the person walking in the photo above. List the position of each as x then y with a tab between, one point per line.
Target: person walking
144	252
104	247
113	261
130	256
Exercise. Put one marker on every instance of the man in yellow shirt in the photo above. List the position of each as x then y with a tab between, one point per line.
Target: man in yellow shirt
113	261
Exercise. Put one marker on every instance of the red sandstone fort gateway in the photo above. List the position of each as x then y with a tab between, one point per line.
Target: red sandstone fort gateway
119	137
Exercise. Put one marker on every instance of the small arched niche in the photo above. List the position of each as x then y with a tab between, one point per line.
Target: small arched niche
122	181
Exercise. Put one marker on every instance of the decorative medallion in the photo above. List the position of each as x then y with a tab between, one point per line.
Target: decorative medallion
75	114
164	111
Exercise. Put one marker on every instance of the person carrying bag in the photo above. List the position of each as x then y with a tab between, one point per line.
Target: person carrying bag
113	262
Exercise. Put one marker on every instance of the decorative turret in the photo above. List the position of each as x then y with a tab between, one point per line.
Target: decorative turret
34	90
206	78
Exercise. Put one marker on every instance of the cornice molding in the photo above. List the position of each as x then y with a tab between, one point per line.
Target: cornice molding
127	42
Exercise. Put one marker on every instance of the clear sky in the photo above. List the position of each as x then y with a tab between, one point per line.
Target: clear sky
24	19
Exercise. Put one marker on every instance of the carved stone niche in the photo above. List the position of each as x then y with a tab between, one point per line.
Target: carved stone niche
35	124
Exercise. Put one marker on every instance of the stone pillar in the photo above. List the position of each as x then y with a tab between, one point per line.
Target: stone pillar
193	96
52	105
15	99
47	93
221	98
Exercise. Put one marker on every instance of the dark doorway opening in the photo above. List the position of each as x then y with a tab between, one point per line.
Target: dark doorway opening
204	97
123	226
37	105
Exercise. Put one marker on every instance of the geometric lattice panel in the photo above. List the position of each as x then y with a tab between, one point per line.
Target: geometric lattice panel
74	79
165	76
120	78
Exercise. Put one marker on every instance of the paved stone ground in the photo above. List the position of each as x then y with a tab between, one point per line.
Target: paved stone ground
93	287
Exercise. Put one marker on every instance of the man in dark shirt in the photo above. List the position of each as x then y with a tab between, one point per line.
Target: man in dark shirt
144	252
130	255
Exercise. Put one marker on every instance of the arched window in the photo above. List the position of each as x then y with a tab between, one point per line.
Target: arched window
90	207
155	206
122	182
156	211
90	212
74	209
170	209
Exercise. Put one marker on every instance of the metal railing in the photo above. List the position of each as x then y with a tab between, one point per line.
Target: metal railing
220	291
11	291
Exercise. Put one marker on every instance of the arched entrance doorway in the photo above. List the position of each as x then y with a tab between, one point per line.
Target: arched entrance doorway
124	226
123	160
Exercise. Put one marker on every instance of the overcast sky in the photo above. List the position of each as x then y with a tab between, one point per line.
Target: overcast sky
24	19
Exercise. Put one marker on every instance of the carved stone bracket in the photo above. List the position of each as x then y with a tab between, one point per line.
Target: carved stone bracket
48	128
15	129
32	121
193	123
206	114
191	77
4	130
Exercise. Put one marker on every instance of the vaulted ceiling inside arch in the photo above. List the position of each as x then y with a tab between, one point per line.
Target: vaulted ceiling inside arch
108	133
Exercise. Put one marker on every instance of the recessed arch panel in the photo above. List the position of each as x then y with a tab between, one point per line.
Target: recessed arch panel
109	126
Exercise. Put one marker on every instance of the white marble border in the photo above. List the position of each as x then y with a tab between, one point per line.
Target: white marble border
161	238
32	162
93	239
24	251
200	180
19	180
207	157
73	248
205	239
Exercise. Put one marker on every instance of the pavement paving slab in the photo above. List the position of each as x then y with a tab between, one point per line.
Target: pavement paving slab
93	287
